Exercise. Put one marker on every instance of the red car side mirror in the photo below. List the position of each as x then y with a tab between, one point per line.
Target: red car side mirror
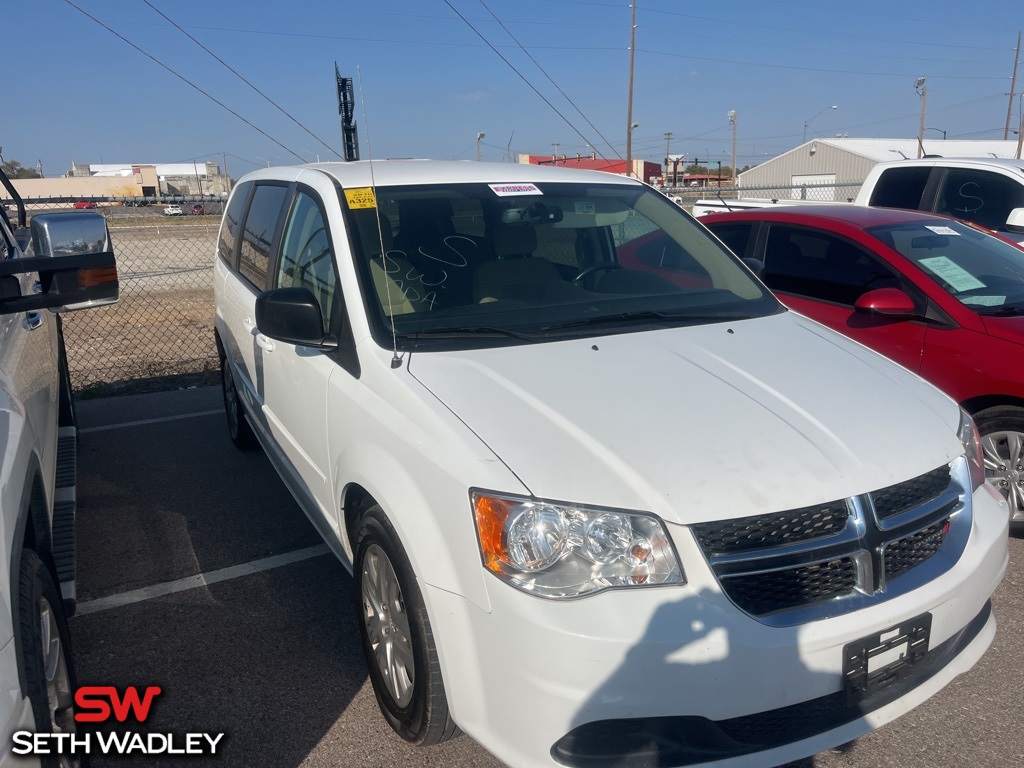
891	302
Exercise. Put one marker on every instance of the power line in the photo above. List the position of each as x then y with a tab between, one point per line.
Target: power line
236	74
521	77
550	79
185	80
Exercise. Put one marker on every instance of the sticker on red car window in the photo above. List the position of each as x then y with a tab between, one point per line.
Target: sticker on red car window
941	229
513	190
954	275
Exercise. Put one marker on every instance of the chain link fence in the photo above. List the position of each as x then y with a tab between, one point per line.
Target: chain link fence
834	192
161	330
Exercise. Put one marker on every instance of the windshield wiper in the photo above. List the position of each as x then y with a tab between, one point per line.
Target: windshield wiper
459	333
646	315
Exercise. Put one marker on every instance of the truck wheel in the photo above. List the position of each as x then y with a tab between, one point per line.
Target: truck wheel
1002	441
46	655
238	427
397	641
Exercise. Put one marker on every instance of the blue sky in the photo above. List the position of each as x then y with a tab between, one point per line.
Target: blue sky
75	92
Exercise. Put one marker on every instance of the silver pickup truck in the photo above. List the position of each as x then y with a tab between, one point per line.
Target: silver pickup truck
62	262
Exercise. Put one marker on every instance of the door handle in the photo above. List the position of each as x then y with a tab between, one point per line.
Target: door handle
264	342
33	320
250	326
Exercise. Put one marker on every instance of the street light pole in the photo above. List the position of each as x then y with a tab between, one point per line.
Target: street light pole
732	121
810	120
922	90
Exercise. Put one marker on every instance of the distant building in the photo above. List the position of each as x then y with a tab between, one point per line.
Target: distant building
836	161
641	168
140	180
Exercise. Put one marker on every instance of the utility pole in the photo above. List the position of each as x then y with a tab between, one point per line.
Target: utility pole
629	107
732	121
1013	86
479	136
224	170
922	90
554	151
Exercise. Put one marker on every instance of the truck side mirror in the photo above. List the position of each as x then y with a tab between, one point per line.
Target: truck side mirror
1015	221
74	259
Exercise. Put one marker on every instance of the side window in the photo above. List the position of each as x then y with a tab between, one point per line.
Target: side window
980	196
822	266
306	260
900	187
232	222
258	234
735	236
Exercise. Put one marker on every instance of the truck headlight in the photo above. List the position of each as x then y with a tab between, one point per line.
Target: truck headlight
971	441
559	550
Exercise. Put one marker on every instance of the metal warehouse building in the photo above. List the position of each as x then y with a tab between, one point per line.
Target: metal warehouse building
846	162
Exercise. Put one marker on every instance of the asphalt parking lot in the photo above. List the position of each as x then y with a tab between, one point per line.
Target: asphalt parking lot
198	573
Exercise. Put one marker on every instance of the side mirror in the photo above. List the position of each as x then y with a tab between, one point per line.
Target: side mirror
754	265
1015	221
889	302
76	266
292	315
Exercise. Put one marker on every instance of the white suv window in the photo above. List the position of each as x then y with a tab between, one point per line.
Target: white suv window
258	235
306	257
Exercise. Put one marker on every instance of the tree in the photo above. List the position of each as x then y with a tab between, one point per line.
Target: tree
15	170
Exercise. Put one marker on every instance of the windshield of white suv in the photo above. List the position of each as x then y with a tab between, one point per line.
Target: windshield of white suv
504	263
980	270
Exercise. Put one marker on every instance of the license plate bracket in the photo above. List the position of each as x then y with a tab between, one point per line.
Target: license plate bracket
878	661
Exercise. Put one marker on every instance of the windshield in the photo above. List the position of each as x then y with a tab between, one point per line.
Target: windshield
980	270
503	263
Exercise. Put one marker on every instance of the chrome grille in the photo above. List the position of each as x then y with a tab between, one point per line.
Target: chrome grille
909	552
898	498
793	566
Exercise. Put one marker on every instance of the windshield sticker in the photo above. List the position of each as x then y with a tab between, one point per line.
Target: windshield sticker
955	276
942	230
984	301
585	207
361	197
512	190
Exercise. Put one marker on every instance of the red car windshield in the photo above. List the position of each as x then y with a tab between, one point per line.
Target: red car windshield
980	270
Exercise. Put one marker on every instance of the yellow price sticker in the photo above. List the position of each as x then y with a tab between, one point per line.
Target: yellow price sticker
361	197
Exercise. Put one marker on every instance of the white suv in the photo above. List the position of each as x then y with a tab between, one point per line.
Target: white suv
603	497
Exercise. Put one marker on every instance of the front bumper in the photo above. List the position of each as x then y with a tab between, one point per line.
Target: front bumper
680	670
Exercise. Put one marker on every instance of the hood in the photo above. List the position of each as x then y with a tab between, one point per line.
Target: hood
698	423
1006	328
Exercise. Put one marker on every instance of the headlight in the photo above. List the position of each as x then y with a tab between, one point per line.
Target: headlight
971	441
559	550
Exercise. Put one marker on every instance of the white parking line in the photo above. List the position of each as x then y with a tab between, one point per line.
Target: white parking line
104	428
199	580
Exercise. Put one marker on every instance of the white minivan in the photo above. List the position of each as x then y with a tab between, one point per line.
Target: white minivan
604	499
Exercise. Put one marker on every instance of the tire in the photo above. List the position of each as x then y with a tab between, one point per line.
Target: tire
1002	441
239	430
46	656
397	640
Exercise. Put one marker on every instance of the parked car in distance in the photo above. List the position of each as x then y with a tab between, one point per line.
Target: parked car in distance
197	209
942	297
172	210
595	516
84	204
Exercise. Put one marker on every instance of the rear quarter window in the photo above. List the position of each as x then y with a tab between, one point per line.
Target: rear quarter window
900	188
232	223
260	233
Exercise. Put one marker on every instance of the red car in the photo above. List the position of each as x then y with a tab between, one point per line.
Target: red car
85	204
939	296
